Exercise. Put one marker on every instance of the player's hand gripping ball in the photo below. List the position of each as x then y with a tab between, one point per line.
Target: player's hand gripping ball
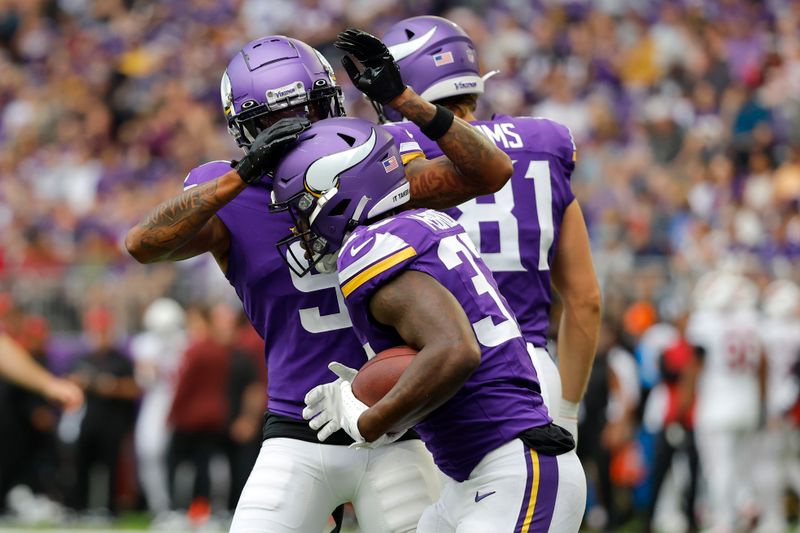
336	405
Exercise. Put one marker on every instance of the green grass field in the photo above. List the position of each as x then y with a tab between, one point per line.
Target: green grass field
134	522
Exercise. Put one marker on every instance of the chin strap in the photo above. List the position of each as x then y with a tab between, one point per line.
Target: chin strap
321	201
326	265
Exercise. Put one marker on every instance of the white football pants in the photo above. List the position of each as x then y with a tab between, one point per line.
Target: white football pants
777	468
727	458
151	439
295	485
512	490
549	379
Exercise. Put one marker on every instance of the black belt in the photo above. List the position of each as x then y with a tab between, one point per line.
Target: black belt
276	426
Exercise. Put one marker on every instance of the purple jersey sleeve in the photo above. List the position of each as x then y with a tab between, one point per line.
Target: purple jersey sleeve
404	140
206	172
255	197
370	258
373	255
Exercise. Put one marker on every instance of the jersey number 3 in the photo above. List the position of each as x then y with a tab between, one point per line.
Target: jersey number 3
458	251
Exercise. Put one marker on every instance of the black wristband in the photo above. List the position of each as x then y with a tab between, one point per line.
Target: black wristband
439	124
244	167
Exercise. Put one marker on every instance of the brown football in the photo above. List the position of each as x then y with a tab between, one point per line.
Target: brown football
379	374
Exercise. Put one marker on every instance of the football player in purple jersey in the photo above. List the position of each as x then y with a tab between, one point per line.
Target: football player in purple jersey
531	233
271	91
413	277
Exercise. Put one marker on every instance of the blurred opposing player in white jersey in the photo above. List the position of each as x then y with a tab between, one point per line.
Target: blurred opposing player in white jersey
780	461
157	353
272	90
531	232
724	330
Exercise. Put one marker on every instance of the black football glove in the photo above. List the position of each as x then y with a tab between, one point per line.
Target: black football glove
268	148
380	80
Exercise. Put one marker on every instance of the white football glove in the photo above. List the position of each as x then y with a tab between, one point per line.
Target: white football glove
333	406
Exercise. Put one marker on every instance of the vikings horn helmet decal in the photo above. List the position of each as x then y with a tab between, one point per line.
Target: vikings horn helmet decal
342	172
323	173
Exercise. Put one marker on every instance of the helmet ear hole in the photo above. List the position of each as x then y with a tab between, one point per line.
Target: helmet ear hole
340	208
348	139
410	34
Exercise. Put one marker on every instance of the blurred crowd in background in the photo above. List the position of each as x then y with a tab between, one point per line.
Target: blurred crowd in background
686	116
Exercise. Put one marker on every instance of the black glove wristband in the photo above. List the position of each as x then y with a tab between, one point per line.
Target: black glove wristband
244	167
439	124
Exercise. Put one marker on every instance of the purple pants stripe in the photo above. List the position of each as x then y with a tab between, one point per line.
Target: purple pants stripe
546	501
539	499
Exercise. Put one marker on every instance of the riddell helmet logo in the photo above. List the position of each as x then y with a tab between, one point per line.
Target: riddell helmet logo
462	85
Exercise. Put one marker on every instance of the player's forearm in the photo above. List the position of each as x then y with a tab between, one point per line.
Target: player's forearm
173	223
474	166
577	344
19	367
434	376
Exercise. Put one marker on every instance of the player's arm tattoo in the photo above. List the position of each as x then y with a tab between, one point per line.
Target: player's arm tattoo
435	184
168	228
171	224
473	165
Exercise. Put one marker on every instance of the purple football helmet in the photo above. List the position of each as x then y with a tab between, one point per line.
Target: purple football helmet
343	172
436	58
275	77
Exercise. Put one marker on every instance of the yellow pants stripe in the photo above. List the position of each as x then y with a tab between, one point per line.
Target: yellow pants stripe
526	525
